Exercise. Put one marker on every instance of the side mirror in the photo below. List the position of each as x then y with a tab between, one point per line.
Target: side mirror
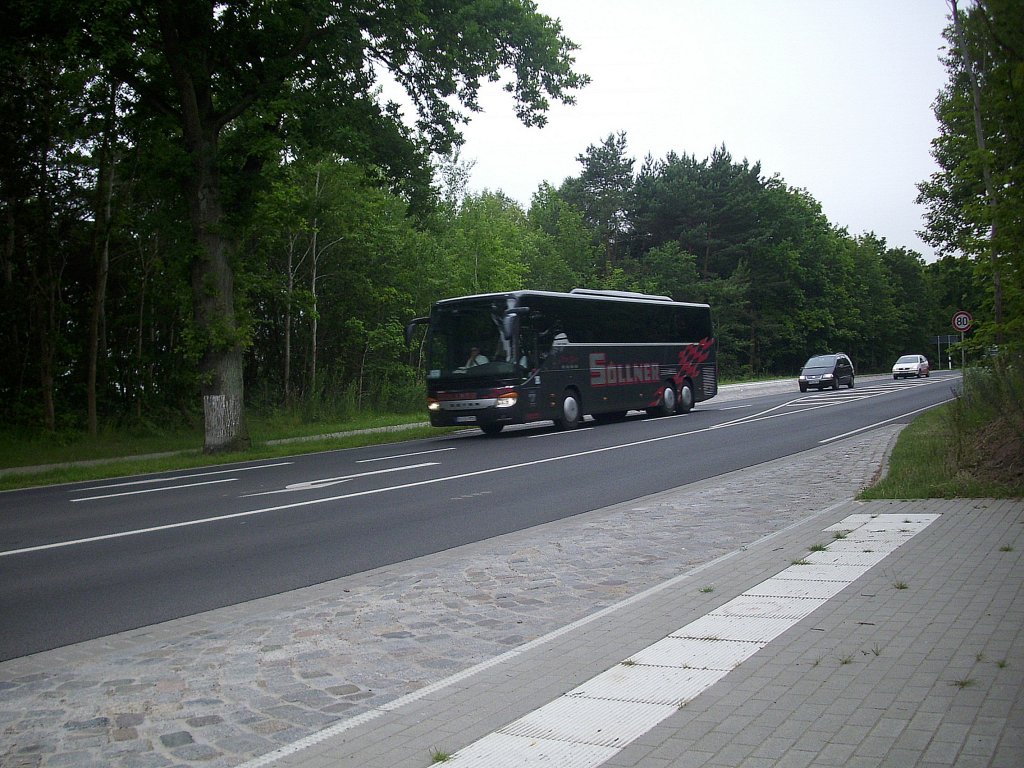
410	328
508	322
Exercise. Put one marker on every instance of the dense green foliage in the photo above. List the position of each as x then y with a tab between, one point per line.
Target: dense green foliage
149	131
338	223
976	200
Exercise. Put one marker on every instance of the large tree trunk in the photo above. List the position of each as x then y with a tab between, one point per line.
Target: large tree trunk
220	367
213	297
213	283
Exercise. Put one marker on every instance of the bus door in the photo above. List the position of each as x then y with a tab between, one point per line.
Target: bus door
532	356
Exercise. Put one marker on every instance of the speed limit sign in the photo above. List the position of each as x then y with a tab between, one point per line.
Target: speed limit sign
962	321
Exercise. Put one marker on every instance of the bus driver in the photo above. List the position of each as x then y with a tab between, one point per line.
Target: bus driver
475	358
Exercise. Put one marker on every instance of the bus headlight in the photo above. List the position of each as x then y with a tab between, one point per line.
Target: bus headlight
506	400
433	405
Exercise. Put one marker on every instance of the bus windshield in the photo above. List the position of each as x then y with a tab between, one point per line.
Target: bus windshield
473	340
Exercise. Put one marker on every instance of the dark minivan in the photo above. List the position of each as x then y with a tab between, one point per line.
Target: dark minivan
826	371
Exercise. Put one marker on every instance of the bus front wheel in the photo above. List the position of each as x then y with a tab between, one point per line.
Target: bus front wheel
570	414
491	429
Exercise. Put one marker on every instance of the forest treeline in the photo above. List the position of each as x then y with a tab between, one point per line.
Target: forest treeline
320	224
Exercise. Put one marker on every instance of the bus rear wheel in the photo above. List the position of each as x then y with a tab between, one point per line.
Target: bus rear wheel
570	414
667	405
684	403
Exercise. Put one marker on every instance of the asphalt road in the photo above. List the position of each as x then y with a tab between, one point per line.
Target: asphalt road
86	560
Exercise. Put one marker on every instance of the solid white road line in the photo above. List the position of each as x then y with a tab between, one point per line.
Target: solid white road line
173	478
156	490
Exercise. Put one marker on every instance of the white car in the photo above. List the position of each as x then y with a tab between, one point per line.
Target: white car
911	365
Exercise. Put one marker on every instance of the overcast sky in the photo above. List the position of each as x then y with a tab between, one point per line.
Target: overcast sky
834	96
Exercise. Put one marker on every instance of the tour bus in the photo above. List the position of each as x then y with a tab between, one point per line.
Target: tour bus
529	356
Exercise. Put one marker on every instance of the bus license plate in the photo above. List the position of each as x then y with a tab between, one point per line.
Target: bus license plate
465	419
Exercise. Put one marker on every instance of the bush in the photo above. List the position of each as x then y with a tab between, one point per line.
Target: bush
986	422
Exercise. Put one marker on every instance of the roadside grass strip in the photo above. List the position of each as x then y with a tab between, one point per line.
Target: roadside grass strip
591	723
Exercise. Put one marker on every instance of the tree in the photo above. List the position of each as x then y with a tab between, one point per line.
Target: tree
566	257
601	192
490	240
975	202
913	325
709	207
107	140
43	189
219	69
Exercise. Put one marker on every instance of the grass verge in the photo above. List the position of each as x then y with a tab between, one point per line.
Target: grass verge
970	448
193	457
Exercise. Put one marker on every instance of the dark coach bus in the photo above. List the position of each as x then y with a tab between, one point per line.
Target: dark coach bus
526	356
